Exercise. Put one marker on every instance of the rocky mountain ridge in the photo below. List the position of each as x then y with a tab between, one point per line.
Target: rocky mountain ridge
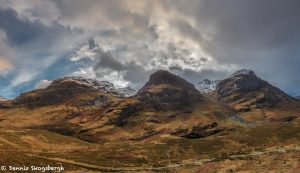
207	86
103	86
68	88
166	105
83	108
256	98
90	123
243	81
165	89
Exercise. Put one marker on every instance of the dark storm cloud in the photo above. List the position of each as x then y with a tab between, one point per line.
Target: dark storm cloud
187	29
17	30
196	39
197	76
136	74
106	60
92	43
248	25
131	71
260	35
20	31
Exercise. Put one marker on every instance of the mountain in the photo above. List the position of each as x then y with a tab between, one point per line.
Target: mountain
126	92
297	97
66	88
92	84
169	91
207	86
3	98
89	126
168	104
95	111
255	98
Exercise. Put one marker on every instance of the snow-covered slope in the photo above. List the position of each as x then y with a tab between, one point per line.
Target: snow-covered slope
127	91
242	72
207	86
103	86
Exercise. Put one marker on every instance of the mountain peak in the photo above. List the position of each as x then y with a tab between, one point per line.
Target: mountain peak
164	77
242	80
243	72
247	93
85	82
168	91
103	86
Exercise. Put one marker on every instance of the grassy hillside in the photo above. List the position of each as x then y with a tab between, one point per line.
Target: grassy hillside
242	147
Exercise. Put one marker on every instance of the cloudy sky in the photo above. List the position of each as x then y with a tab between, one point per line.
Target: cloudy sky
123	41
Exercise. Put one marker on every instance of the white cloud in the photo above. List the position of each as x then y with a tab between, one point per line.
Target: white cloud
195	37
43	84
5	65
84	52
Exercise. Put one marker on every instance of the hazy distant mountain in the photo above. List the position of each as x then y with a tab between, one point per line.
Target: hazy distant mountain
3	98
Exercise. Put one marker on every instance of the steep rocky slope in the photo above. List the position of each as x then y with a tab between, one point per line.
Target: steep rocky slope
207	86
66	88
158	129
170	92
165	105
126	92
94	111
255	98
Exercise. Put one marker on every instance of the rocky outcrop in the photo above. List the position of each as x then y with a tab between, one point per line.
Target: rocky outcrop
198	131
120	117
127	91
207	86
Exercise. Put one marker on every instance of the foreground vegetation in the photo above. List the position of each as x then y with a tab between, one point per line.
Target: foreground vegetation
263	147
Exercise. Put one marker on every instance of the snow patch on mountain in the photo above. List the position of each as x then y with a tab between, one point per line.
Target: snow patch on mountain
103	86
127	91
207	86
242	73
